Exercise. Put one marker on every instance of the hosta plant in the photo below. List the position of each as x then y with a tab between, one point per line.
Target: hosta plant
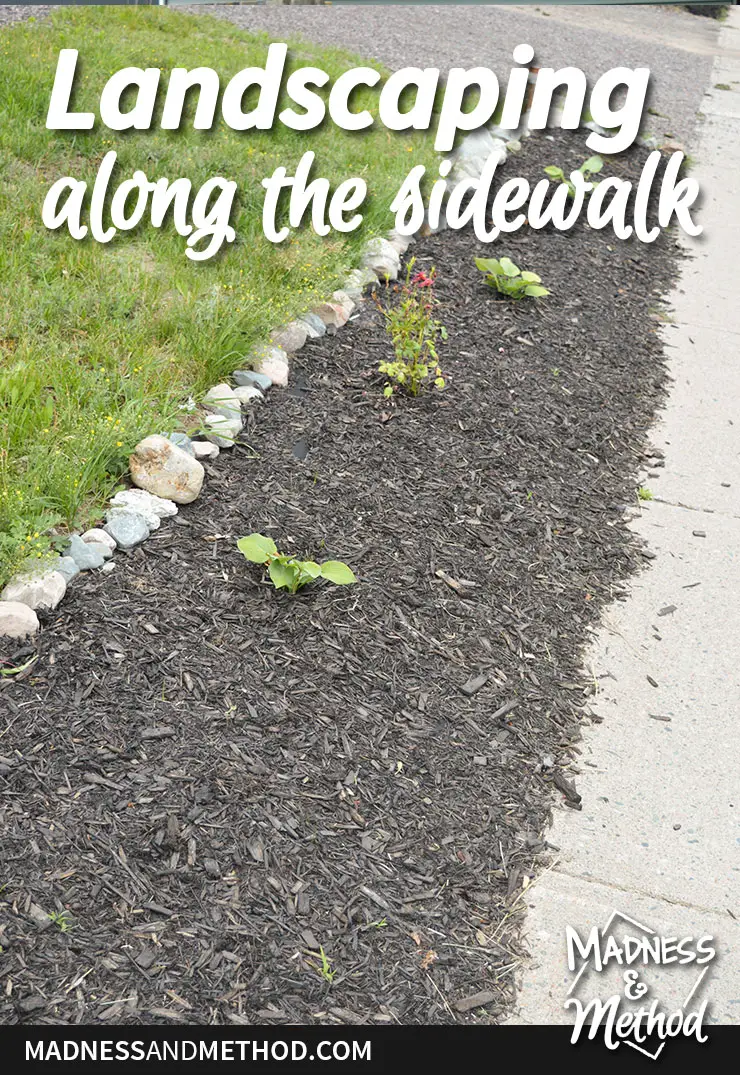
508	279
587	169
286	572
414	332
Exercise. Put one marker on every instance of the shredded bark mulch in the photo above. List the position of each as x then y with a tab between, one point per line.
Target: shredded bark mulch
211	782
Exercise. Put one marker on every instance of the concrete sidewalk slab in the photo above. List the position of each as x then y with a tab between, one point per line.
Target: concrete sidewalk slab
659	833
660	808
584	905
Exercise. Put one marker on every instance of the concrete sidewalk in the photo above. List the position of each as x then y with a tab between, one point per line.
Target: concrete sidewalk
659	834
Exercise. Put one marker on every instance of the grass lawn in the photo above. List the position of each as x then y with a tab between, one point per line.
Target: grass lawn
100	345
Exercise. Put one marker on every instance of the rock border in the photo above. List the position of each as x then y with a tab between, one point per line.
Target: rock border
166	470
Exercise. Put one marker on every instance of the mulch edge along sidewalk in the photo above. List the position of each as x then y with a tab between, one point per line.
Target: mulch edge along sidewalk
224	805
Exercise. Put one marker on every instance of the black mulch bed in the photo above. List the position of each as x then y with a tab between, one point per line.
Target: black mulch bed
212	780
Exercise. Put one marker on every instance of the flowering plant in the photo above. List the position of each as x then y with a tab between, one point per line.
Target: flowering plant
414	333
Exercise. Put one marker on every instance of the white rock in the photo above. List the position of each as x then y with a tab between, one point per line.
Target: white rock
382	258
223	431
247	394
96	536
221	400
150	506
358	280
43	589
165	470
17	620
275	366
203	449
400	243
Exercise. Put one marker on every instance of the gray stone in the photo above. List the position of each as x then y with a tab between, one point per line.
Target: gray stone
17	620
160	467
110	566
252	378
314	324
99	537
67	568
223	431
152	521
182	440
205	450
291	337
44	588
127	528
221	400
84	554
153	508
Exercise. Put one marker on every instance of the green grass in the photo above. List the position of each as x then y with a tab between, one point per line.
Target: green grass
100	345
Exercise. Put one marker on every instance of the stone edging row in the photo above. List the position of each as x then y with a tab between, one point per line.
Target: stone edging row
167	471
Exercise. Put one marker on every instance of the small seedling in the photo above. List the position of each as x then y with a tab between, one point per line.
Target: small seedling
508	279
643	493
325	970
61	919
288	573
589	167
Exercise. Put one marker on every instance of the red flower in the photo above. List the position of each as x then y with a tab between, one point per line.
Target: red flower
421	279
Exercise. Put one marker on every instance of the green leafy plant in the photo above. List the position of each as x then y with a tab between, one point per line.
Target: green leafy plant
590	167
643	493
414	333
286	572
61	919
508	279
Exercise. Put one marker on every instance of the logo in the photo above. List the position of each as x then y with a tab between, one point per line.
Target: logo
636	987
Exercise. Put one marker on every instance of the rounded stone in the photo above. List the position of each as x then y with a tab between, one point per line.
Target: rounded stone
152	507
221	400
205	450
17	620
42	589
96	536
160	467
275	367
249	378
223	431
84	553
247	393
291	337
67	568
